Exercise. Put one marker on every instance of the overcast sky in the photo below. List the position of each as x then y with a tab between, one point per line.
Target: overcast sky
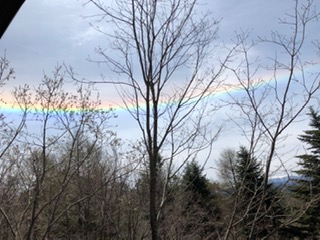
46	32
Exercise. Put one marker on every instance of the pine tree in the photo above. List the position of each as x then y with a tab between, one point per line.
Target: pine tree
248	184
200	204
307	187
256	205
195	182
248	173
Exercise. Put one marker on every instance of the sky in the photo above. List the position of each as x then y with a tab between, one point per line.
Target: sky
46	33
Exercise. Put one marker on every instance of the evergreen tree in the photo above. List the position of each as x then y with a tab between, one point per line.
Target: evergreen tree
259	210
195	182
249	181
200	204
307	187
248	174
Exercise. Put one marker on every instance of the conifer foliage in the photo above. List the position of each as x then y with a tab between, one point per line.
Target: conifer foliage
248	173
307	187
196	182
200	206
248	184
259	209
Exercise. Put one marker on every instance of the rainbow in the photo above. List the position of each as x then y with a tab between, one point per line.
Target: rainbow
8	105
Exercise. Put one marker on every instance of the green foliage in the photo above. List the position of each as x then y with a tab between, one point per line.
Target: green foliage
195	182
259	210
307	187
200	204
249	185
249	176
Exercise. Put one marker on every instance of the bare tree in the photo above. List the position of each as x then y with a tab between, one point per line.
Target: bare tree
10	130
271	106
226	167
59	165
162	49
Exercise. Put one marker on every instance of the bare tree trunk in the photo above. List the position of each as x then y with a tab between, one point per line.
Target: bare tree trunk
154	41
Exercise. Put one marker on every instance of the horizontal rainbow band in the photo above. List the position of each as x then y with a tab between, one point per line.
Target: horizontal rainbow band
9	105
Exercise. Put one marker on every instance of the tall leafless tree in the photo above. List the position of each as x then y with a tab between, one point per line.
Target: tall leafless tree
10	130
271	106
161	50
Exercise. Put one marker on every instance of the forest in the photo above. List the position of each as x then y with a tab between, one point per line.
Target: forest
65	173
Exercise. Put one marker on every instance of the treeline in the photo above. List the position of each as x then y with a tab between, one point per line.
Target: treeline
64	175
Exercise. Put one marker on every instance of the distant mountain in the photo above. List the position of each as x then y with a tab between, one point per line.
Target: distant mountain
283	181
